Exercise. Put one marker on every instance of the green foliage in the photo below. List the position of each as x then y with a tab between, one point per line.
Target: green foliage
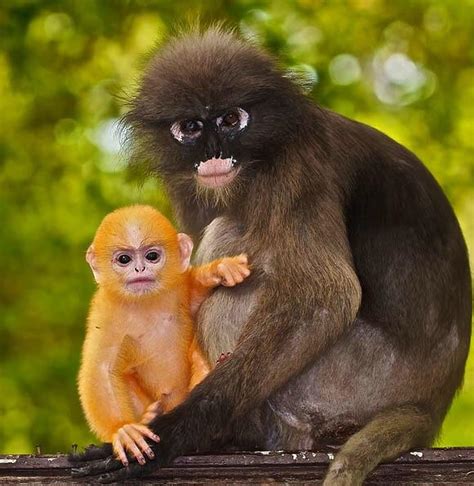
66	67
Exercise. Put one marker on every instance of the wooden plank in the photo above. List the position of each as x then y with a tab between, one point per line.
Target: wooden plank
423	467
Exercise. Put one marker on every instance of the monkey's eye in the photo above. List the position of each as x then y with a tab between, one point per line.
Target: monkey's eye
186	130
124	259
235	119
153	256
231	119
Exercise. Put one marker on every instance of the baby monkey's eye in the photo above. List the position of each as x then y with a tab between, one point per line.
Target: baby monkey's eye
124	259
153	256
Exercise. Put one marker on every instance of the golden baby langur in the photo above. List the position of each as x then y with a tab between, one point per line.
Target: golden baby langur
140	355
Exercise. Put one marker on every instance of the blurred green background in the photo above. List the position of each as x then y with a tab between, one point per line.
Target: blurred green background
66	67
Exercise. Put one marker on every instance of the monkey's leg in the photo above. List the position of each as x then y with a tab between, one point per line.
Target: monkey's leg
385	437
130	436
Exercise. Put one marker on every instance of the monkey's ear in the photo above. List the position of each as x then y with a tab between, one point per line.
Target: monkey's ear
90	258
185	250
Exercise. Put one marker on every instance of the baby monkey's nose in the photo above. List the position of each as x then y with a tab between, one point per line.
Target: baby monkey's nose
139	269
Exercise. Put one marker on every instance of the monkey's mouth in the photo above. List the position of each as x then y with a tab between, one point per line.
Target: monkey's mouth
141	284
216	172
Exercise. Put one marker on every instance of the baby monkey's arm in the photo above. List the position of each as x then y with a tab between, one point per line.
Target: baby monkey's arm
227	271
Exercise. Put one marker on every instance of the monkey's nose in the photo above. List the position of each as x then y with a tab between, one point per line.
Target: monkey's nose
137	269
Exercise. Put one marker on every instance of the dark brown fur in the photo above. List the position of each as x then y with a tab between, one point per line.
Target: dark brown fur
355	324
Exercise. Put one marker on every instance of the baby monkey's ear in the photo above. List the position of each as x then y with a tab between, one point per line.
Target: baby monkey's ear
185	250
90	258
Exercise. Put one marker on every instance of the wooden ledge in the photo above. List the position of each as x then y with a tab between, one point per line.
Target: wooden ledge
422	467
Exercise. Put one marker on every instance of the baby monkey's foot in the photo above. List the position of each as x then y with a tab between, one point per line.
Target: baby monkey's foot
131	438
232	270
223	357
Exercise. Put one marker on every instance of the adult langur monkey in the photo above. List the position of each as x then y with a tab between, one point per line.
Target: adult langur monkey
354	326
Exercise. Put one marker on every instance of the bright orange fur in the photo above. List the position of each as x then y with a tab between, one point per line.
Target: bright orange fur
140	354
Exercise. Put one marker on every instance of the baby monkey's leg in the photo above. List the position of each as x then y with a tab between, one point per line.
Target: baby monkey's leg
130	437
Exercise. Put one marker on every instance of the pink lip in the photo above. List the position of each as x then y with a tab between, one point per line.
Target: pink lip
141	280
216	172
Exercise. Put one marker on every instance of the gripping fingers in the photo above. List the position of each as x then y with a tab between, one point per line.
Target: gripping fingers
131	438
137	433
233	270
226	273
119	450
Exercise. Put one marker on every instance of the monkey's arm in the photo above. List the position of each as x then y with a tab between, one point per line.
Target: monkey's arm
227	271
310	299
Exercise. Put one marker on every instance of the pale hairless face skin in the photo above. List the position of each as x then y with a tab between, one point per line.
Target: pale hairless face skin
139	267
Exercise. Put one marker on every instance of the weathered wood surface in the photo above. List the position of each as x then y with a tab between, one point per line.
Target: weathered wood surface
424	467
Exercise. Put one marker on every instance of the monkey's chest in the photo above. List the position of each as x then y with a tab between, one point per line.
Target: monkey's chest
156	349
224	313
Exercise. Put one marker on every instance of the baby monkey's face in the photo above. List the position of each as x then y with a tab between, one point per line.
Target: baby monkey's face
137	252
138	269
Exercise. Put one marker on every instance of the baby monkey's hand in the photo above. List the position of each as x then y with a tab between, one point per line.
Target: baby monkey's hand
229	271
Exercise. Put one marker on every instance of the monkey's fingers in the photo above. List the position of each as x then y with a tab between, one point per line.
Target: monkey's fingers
125	436
144	431
243	269
230	274
224	271
138	433
119	450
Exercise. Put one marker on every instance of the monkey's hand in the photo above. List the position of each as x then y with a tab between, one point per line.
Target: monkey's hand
130	438
227	271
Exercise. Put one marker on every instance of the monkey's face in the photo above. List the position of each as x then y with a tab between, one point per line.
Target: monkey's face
137	252
216	142
212	111
137	269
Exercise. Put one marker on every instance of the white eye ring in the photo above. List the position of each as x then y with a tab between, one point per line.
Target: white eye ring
243	119
180	135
